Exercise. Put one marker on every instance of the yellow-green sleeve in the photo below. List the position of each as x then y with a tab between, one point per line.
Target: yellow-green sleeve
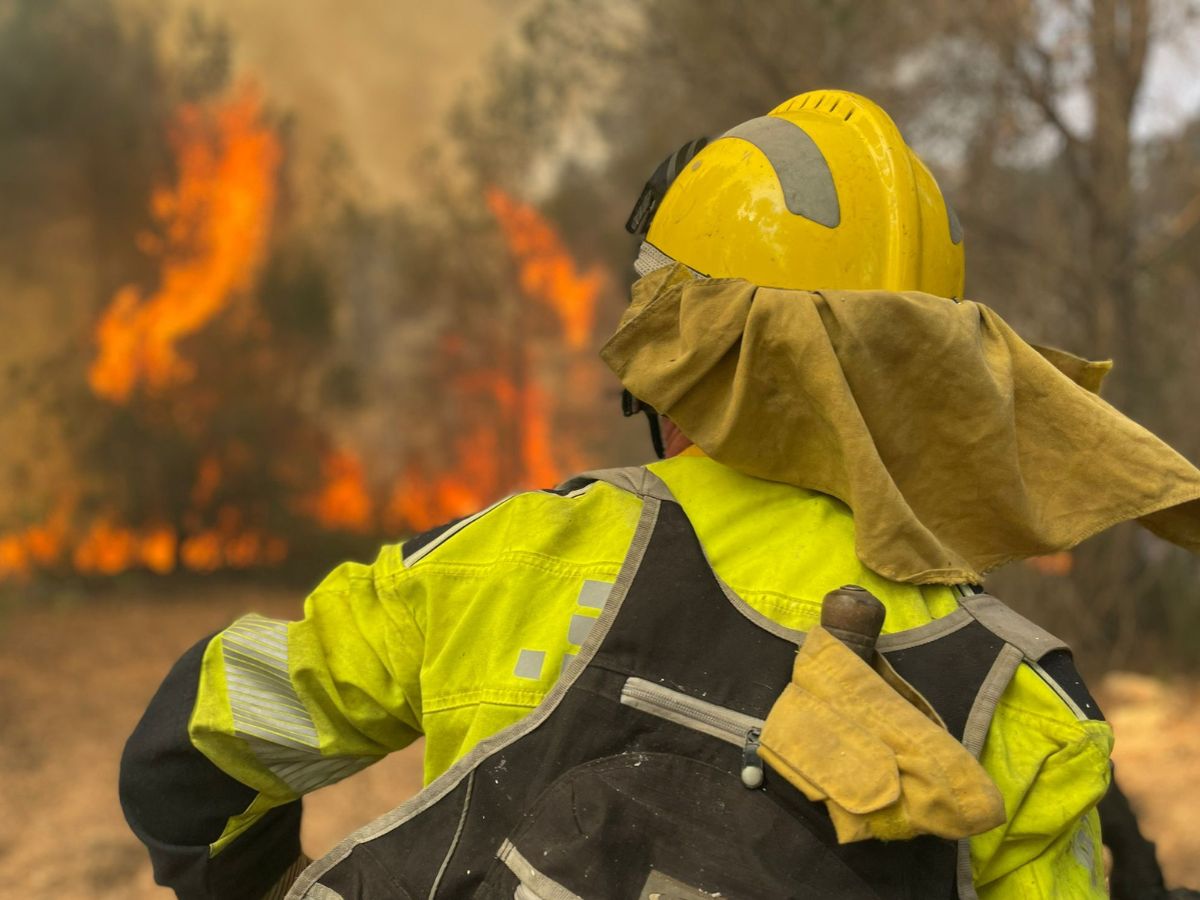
1052	769
288	707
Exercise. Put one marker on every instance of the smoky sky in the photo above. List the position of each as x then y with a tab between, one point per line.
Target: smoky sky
378	75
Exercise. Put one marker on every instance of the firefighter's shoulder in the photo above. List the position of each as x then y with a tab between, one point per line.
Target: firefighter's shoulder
577	521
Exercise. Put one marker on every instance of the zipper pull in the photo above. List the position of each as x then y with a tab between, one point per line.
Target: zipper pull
752	765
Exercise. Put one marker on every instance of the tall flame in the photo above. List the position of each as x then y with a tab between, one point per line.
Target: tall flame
215	221
544	452
212	228
546	270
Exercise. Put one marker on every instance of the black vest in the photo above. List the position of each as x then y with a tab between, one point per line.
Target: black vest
627	781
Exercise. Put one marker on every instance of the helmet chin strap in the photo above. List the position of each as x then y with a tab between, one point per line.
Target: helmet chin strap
631	406
651	258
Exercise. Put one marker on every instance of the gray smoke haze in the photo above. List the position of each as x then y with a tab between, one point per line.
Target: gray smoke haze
378	75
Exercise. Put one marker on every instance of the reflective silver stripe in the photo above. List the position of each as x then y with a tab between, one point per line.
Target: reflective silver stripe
593	594
651	259
305	769
268	714
529	664
978	722
462	823
691	712
261	696
804	175
426	549
538	885
579	628
320	892
1066	698
635	479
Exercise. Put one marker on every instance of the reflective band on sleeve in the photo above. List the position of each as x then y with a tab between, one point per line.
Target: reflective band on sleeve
267	712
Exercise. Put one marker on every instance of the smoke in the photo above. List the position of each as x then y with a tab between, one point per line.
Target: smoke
377	76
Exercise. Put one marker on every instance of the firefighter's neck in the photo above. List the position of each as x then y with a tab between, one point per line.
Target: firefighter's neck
674	440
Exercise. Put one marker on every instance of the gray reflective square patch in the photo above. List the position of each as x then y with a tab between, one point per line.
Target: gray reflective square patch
594	594
663	887
580	627
529	664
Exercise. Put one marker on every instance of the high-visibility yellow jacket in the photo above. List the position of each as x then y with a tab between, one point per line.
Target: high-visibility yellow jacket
465	637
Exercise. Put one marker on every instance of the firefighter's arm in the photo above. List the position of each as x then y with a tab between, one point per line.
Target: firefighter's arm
261	714
1052	767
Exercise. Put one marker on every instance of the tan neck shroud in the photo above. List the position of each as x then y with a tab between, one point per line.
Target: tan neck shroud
958	446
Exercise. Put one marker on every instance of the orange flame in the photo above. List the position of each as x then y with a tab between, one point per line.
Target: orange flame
547	274
343	501
215	222
35	547
546	270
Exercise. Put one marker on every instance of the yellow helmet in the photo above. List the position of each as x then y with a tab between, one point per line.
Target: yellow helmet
820	193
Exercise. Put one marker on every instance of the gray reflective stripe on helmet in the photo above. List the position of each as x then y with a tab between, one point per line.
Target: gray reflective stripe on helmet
808	188
268	714
956	229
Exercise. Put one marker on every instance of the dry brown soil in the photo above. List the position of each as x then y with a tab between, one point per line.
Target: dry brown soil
74	679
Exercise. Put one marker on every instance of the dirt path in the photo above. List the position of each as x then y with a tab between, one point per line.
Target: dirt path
74	680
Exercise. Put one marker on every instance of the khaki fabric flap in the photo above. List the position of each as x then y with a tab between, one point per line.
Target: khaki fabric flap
885	768
828	756
957	445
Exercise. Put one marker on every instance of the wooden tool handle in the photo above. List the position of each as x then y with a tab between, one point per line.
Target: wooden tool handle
854	616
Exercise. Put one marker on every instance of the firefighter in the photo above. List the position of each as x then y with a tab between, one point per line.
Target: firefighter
837	416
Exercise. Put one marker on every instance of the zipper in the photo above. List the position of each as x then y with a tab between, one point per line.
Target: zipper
739	729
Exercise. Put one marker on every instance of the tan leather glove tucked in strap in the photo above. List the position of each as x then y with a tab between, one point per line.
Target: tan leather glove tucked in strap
863	741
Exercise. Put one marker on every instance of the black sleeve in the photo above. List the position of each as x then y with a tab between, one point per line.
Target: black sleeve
177	803
1135	872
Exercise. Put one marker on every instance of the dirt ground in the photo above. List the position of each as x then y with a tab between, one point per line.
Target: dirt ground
74	679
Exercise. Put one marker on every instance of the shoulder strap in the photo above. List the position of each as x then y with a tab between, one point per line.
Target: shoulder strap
1046	654
1032	640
